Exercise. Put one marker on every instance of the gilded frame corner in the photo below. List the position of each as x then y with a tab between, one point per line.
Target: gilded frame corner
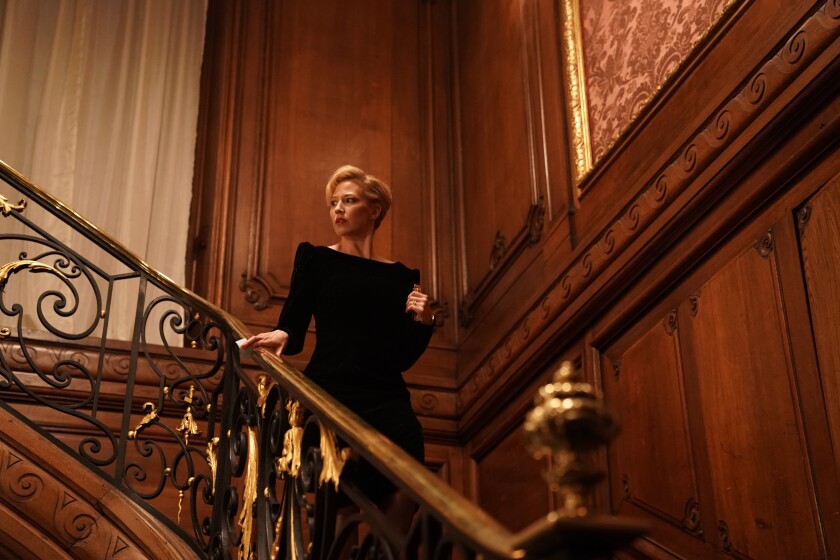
575	80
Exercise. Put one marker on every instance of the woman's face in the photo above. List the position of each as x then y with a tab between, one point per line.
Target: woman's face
352	215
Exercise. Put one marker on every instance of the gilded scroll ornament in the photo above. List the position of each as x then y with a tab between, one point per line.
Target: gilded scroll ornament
188	426
151	415
574	69
264	385
16	266
333	458
249	496
278	529
211	454
181	498
7	207
289	460
567	424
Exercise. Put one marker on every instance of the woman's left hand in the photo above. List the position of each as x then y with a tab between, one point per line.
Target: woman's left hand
418	303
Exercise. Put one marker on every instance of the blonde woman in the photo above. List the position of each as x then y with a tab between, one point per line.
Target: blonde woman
371	324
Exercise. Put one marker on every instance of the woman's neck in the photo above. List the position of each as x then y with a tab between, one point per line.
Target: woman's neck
362	247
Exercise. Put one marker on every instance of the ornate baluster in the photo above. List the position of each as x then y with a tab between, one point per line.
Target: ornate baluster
569	423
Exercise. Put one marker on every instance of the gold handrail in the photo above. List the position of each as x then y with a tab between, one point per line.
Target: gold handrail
461	516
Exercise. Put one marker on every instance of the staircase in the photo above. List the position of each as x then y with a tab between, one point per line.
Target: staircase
174	445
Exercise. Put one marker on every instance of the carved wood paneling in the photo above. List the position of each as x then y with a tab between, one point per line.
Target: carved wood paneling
635	208
501	209
748	102
523	496
819	223
62	504
651	463
759	471
296	94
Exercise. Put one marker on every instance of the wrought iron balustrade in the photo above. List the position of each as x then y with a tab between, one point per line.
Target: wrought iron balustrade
241	461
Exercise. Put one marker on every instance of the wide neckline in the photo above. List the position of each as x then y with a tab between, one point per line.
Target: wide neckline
357	257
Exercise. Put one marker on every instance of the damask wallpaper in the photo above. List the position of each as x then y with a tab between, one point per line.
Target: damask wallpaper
630	47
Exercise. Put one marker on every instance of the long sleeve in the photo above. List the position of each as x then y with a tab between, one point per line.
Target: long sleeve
415	335
416	338
297	311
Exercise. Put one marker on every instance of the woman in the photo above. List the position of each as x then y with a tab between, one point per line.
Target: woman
372	323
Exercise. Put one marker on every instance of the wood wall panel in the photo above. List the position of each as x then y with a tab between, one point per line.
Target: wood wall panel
759	470
659	223
820	246
512	491
309	87
506	479
52	506
502	206
329	101
651	462
292	91
491	88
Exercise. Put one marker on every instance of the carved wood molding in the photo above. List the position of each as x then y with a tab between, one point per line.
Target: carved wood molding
586	165
764	245
256	291
113	369
779	69
694	304
690	521
56	499
434	403
802	217
671	322
502	255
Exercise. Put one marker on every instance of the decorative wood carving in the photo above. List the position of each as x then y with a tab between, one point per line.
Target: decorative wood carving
501	256
802	217
670	323
534	322
497	253
694	304
764	244
256	293
692	517
441	312
65	503
690	521
749	414
723	533
770	79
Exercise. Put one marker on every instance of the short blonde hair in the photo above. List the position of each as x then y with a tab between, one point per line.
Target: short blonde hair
374	190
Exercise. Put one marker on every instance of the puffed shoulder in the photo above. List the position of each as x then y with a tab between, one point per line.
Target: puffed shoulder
304	248
304	253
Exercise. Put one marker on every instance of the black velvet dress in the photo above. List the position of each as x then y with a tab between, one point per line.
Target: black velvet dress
364	341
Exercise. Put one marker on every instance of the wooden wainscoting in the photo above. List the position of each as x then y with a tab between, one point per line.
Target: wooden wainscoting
726	391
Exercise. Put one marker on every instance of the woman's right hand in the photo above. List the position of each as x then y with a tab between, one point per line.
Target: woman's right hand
274	341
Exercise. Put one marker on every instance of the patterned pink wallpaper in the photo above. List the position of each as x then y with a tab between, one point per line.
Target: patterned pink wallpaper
630	47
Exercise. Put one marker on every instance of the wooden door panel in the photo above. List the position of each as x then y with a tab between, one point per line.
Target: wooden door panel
739	347
820	247
494	127
653	466
510	483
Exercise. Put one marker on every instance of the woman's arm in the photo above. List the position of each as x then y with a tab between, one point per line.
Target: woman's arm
418	327
275	341
288	337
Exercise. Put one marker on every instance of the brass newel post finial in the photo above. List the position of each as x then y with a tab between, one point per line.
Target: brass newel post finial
568	423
